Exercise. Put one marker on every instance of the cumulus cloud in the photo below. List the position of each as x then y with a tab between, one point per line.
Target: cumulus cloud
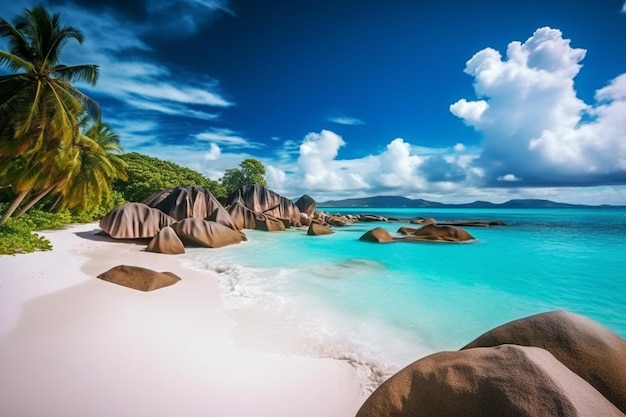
401	168
508	178
397	166
317	163
532	122
470	111
213	153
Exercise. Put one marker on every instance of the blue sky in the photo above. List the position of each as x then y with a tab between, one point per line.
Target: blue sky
453	101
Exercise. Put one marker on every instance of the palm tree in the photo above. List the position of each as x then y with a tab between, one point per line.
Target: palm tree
83	176
96	164
39	106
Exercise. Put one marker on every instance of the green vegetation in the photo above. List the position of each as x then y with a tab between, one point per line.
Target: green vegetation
17	235
59	163
147	175
251	171
52	141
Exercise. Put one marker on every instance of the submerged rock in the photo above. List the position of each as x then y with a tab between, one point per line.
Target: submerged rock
139	278
372	218
377	235
429	233
319	230
434	232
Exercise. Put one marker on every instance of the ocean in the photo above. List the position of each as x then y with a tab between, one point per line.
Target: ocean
383	306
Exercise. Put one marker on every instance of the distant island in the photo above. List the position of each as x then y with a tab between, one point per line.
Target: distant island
403	202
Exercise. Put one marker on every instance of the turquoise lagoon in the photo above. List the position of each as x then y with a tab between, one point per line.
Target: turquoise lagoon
382	307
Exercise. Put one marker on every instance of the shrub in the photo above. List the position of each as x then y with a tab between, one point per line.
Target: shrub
18	235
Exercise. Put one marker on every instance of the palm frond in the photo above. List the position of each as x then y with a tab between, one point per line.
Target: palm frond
14	62
90	106
18	45
62	36
87	73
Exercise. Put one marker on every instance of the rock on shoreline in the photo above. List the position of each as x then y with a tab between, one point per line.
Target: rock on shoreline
551	364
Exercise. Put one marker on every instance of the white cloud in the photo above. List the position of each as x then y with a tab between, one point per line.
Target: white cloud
624	8
316	161
459	147
129	74
343	120
213	153
532	120
470	111
398	167
401	168
226	137
508	178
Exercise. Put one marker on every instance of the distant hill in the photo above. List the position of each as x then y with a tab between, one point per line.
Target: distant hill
400	202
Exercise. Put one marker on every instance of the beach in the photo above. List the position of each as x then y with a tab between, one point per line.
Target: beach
74	345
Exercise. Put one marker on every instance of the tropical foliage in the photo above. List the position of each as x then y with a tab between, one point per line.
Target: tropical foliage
250	171
147	175
59	162
17	235
52	141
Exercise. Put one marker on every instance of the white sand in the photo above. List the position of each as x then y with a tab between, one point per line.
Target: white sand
74	345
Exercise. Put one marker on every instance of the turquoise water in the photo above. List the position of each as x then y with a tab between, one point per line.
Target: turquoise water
384	306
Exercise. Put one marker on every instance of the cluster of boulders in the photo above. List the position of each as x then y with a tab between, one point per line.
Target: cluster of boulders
191	215
550	364
429	232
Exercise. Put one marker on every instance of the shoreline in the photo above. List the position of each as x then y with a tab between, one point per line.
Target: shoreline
73	345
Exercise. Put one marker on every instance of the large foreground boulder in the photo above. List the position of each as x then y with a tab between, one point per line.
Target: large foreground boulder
550	364
501	381
588	349
134	221
139	278
190	201
208	234
167	241
263	200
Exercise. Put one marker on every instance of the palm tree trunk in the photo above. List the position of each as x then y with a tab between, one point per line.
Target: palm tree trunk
36	199
56	202
18	200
